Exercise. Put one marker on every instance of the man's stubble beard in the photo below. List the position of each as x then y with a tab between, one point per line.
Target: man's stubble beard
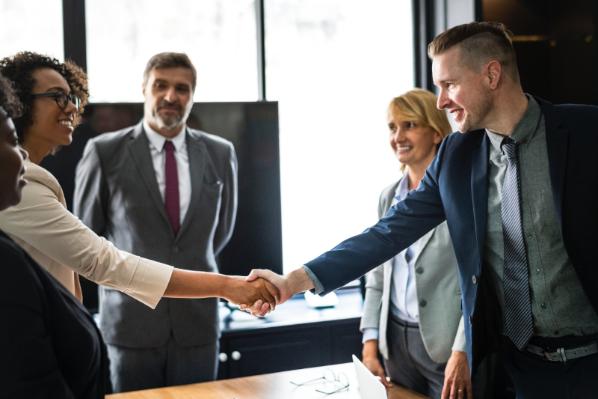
169	123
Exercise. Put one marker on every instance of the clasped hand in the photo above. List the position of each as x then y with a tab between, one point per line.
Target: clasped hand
242	292
279	289
281	283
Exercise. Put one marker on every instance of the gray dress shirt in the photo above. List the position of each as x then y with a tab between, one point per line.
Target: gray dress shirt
559	304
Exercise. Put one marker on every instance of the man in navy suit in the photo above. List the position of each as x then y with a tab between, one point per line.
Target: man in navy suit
519	191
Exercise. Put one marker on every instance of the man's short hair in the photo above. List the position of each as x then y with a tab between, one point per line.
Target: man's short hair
169	60
480	42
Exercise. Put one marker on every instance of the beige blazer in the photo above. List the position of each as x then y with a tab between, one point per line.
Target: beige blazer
57	240
438	293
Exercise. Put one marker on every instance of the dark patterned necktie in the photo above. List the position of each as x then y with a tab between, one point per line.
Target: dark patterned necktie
171	192
518	322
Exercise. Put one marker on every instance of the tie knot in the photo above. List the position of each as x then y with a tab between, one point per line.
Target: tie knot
168	146
509	147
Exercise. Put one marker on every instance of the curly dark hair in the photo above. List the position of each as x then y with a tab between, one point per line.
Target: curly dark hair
8	99
19	69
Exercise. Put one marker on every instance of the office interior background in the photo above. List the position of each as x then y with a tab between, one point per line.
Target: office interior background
332	66
329	67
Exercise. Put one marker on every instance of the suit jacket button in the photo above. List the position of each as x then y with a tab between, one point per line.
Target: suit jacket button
419	270
474	279
423	303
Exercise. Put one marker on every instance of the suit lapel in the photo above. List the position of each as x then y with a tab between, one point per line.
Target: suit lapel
389	263
197	154
479	189
392	193
423	241
140	153
557	140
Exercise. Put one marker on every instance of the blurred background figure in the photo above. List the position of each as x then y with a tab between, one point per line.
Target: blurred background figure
167	192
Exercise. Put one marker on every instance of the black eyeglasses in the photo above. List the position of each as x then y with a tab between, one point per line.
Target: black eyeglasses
62	99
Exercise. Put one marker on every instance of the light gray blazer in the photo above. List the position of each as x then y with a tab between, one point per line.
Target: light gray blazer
117	196
438	293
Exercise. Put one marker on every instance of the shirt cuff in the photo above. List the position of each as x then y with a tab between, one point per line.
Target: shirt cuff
149	282
369	334
318	287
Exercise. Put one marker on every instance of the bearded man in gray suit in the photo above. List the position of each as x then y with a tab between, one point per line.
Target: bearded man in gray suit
166	192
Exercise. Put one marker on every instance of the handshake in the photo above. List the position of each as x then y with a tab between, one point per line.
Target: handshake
262	289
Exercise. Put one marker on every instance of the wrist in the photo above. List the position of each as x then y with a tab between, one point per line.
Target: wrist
298	281
224	286
370	349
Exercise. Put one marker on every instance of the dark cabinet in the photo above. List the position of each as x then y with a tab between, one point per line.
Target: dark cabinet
294	336
555	42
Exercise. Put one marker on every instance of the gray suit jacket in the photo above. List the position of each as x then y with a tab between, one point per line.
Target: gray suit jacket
117	196
440	319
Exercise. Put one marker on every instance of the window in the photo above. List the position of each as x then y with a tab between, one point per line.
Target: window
218	35
334	66
32	25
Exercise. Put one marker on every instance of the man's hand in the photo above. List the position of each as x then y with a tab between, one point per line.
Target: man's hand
241	291
370	359
457	379
280	282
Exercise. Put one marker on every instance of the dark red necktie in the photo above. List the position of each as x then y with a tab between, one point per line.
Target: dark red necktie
171	192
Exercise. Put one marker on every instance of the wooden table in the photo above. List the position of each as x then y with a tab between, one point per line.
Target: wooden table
265	386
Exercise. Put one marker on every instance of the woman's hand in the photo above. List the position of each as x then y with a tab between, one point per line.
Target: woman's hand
370	359
240	291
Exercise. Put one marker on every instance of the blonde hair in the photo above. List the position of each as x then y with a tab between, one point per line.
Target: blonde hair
419	105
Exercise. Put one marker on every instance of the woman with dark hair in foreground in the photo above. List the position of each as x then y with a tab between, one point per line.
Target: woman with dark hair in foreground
50	345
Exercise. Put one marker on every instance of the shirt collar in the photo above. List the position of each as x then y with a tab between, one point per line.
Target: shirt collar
157	140
402	188
525	129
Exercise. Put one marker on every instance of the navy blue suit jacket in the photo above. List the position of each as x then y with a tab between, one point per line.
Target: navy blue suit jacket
455	189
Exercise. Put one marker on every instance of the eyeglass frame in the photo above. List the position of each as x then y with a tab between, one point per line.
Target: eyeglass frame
59	96
328	376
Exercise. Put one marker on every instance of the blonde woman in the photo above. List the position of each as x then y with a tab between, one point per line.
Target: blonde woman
412	313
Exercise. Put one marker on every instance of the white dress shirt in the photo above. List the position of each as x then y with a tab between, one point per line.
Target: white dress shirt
182	163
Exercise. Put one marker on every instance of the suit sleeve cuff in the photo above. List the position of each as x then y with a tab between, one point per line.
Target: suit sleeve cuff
318	287
459	343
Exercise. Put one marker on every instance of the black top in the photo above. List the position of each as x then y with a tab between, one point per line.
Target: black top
50	346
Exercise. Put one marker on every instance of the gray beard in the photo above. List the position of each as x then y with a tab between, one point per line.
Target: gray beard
169	123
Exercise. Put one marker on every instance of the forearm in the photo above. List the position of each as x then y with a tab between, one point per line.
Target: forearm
235	289
195	284
370	349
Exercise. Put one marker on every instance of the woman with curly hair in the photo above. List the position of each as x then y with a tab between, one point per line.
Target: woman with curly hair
53	96
50	345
